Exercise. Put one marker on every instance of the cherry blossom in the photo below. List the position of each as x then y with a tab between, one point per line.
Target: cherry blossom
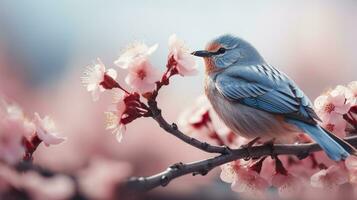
46	130
244	179
13	128
250	183
336	125
334	102
353	88
202	122
101	179
180	57
96	79
115	114
126	108
288	185
351	165
330	178
142	76
135	51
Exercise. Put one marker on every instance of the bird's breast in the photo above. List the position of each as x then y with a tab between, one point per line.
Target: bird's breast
247	121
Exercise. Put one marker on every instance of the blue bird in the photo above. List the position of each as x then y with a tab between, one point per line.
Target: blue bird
254	99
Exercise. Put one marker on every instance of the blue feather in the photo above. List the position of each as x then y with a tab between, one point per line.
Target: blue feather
332	148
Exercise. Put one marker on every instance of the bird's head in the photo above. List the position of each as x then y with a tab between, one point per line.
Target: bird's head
226	51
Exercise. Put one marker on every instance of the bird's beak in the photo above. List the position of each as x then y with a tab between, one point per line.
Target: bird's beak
202	53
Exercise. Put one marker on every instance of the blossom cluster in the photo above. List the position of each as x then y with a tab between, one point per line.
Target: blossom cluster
142	77
337	109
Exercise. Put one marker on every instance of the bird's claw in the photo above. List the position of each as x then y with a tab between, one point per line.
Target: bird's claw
270	145
248	147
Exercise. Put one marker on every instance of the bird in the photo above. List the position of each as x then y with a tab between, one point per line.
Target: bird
256	100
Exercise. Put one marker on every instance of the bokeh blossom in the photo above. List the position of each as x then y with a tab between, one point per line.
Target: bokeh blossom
101	179
180	58
353	88
96	78
330	178
202	122
244	179
46	130
135	51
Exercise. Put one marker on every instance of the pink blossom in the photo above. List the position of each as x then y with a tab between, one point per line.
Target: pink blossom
334	102
184	62
244	180
13	128
114	116
46	130
250	183
228	172
101	179
330	178
353	88
94	77
336	125
136	51
142	76
351	165
58	187
202	122
289	186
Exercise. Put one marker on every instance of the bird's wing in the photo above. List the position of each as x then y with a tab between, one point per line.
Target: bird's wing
265	88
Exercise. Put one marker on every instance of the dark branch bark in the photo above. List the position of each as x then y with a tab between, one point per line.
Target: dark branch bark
173	130
142	184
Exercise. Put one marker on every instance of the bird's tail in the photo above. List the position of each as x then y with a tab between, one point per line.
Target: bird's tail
335	148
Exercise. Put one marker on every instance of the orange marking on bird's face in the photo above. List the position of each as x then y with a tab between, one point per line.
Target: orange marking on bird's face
209	63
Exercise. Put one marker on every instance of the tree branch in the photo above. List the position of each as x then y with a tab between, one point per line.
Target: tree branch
173	130
203	167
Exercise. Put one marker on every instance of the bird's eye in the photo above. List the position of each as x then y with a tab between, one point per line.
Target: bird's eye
221	50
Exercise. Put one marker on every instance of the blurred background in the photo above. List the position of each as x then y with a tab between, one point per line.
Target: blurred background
45	45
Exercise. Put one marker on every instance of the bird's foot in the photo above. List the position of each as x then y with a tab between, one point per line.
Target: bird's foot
249	146
270	145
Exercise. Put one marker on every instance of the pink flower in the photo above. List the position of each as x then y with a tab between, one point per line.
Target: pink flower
13	128
334	102
228	172
142	76
46	130
96	78
351	165
180	57
330	178
202	122
136	51
57	187
353	88
244	180
289	186
336	125
250	183
101	179
114	116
